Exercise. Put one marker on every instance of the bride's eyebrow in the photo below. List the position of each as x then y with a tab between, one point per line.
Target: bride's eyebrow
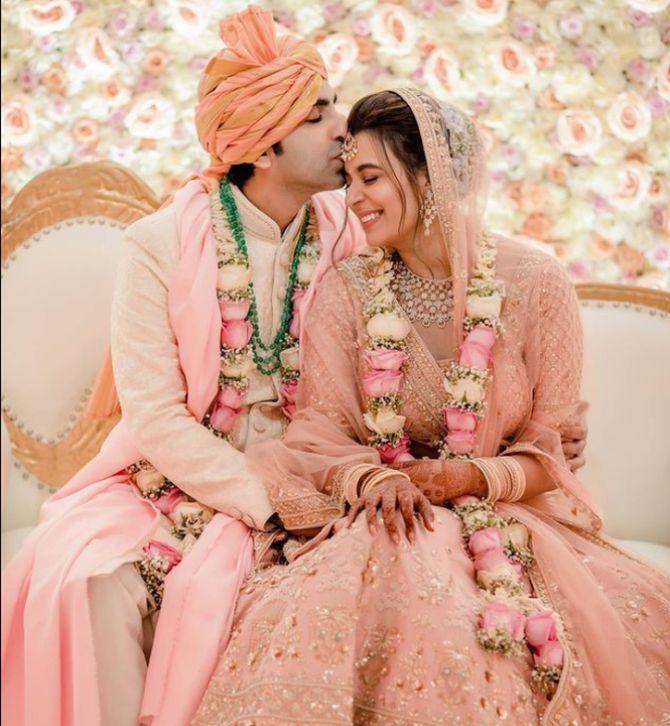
363	167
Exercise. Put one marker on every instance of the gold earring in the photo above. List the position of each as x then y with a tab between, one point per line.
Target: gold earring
428	209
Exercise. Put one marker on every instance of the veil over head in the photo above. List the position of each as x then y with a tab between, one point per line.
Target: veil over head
457	174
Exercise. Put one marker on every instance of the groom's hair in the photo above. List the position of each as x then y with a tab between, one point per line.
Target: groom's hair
239	174
392	124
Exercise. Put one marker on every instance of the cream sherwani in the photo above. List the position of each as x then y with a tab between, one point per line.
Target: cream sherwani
152	393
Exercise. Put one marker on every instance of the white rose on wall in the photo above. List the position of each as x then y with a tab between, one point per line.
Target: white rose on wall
394	29
188	18
629	117
339	53
663	76
632	187
649	6
579	132
513	63
151	117
483	14
19	122
442	73
44	18
99	59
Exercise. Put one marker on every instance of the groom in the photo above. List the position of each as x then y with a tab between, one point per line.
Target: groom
77	622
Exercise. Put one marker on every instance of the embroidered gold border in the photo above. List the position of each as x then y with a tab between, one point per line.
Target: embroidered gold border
611	292
98	189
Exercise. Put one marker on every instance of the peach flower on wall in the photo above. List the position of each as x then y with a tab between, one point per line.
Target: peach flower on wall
85	131
579	132
513	63
629	117
18	122
632	186
442	73
485	13
394	29
339	53
44	18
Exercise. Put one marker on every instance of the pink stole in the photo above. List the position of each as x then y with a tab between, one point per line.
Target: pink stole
48	660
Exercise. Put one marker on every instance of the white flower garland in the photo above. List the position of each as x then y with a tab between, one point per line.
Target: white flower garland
465	382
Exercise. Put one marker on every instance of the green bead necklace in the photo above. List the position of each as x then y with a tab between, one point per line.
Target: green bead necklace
266	355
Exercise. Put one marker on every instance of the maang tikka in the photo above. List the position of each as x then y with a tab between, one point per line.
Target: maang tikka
428	209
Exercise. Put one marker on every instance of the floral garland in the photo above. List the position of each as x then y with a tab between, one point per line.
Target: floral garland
499	547
465	382
512	618
182	518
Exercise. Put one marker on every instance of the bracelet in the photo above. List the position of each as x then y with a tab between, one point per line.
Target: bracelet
517	478
377	477
505	478
352	475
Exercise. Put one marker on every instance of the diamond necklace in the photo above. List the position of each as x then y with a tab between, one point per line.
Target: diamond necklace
424	300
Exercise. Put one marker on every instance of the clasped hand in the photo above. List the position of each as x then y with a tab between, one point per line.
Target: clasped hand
394	495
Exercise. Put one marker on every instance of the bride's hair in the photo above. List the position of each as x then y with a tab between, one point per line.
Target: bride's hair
391	123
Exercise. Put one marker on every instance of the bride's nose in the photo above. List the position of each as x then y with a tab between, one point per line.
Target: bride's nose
354	194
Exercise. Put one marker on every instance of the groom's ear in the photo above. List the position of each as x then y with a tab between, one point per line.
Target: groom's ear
263	162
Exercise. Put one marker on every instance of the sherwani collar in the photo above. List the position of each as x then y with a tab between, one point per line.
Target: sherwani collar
258	225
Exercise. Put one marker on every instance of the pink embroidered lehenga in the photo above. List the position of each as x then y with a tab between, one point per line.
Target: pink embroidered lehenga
347	627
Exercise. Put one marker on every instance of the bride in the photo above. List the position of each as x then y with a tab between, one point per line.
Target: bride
440	369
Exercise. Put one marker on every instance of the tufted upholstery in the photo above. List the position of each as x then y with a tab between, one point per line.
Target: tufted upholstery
61	245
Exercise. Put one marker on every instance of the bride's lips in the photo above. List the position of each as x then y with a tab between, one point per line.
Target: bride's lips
369	218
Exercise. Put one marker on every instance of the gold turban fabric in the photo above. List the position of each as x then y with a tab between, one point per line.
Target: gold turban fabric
256	91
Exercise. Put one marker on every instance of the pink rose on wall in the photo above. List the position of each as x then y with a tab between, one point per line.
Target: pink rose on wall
629	117
579	132
43	18
513	62
339	53
97	54
633	182
394	29
382	383
485	13
442	73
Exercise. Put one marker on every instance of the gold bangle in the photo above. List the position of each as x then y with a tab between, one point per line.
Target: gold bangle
517	479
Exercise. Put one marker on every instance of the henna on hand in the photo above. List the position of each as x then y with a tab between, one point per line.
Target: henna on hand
441	480
392	495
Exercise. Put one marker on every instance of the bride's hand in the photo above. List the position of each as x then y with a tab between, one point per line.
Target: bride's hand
393	495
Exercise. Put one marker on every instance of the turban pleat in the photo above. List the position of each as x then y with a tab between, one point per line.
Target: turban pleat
255	91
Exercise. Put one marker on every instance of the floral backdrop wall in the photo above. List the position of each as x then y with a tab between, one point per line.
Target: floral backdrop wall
572	98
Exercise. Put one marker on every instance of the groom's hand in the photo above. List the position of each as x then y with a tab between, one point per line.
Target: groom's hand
573	441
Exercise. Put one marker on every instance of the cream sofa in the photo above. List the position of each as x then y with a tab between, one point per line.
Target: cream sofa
60	250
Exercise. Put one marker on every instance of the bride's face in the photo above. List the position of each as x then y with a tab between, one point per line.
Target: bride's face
376	186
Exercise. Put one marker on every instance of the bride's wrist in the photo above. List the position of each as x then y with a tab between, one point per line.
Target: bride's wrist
465	478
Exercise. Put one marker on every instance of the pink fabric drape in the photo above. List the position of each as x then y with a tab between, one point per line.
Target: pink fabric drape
48	662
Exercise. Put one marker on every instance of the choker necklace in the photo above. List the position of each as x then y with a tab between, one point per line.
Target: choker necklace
427	301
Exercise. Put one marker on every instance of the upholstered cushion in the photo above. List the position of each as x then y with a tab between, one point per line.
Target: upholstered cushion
626	382
56	297
656	554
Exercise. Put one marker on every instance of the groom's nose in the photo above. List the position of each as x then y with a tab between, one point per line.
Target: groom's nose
339	126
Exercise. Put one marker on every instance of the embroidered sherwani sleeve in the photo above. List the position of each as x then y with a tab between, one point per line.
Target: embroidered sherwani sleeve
152	388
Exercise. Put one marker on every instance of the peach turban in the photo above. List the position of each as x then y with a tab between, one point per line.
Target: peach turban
256	91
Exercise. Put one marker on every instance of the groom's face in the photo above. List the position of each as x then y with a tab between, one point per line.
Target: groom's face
309	161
